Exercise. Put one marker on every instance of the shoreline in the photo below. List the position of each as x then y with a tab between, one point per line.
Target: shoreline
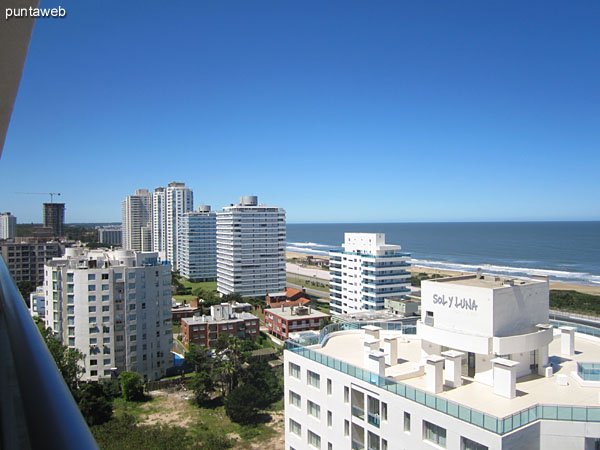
554	285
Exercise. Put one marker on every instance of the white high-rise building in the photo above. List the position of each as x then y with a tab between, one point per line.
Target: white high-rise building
159	237
197	247
366	273
250	248
168	205
114	307
8	225
485	370
137	215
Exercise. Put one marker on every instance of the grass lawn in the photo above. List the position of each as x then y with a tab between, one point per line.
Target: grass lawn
175	410
317	285
205	285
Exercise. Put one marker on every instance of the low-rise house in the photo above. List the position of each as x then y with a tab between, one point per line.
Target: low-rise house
285	320
205	330
289	297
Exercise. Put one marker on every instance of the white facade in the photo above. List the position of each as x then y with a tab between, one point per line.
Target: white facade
37	303
136	216
168	205
366	273
110	235
251	249
114	307
379	389
485	316
197	245
8	225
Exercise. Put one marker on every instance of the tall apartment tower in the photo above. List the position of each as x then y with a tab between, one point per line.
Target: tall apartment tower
168	205
197	246
114	307
137	220
8	225
54	217
366	273
250	248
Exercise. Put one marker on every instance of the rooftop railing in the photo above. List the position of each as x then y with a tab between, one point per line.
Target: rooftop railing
498	425
36	407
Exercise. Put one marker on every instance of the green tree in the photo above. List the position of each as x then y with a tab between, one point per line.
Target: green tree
228	362
200	358
260	375
26	288
68	360
203	386
242	404
326	321
94	403
132	386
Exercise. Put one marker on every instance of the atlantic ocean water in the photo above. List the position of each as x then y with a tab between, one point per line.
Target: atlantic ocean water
566	251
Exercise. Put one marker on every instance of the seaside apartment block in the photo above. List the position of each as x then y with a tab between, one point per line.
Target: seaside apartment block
251	249
485	370
366	272
114	307
198	244
137	221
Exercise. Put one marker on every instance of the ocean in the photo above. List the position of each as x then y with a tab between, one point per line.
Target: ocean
566	251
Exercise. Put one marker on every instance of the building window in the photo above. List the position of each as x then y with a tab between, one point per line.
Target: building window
91	298
71	342
373	441
468	444
329	446
295	399
295	427
314	439
91	276
329	419
329	386
294	370
346	394
346	428
91	309
435	434
384	445
91	287
384	411
313	409
313	379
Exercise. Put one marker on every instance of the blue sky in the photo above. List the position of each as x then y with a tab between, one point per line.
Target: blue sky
337	111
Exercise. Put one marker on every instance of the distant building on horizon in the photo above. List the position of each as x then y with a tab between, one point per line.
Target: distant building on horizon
114	307
251	249
54	218
8	225
137	221
110	235
25	257
197	246
366	273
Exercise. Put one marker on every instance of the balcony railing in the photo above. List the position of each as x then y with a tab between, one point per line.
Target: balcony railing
36	407
497	425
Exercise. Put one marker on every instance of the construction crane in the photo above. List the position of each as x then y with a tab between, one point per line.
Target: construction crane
51	194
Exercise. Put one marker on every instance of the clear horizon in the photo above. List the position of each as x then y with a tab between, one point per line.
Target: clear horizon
344	112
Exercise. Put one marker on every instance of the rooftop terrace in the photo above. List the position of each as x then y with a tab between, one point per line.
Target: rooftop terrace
537	397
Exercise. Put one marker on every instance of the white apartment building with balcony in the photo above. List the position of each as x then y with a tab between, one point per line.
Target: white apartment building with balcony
366	272
114	307
137	221
251	248
198	244
8	225
168	205
485	370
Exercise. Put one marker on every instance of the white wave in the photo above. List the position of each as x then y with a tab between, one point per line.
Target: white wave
311	244
580	277
309	250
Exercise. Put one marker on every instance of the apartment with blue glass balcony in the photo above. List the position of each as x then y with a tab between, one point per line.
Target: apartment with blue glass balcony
366	272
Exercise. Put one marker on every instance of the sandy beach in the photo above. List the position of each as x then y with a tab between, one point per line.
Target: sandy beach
595	290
